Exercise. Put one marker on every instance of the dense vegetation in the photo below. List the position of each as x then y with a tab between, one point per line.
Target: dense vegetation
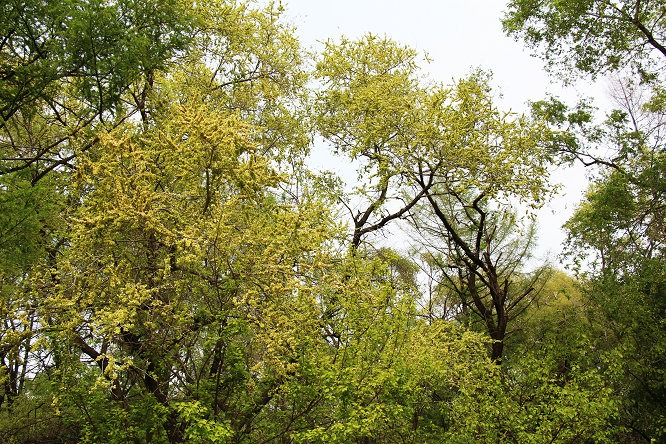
172	270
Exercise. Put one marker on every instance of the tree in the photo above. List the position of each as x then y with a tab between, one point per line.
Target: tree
173	272
483	160
593	36
370	111
66	68
67	65
490	296
617	231
430	143
124	288
175	282
620	226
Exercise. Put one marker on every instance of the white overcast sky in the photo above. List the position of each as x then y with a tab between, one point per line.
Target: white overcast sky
458	36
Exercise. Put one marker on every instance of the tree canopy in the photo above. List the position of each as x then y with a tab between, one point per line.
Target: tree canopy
173	270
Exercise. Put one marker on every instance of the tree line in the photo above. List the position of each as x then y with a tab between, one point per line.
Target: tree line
173	270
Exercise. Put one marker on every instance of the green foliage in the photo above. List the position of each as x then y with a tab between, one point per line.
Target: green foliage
560	380
199	429
171	271
97	48
617	238
616	235
592	36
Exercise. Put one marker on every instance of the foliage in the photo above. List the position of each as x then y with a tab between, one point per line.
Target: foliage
67	66
171	270
592	36
616	235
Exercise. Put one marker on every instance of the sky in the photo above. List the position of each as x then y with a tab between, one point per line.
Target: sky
457	36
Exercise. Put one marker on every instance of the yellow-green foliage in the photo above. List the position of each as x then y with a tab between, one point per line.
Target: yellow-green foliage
172	271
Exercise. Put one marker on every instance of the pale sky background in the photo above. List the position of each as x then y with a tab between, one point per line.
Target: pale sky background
458	36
